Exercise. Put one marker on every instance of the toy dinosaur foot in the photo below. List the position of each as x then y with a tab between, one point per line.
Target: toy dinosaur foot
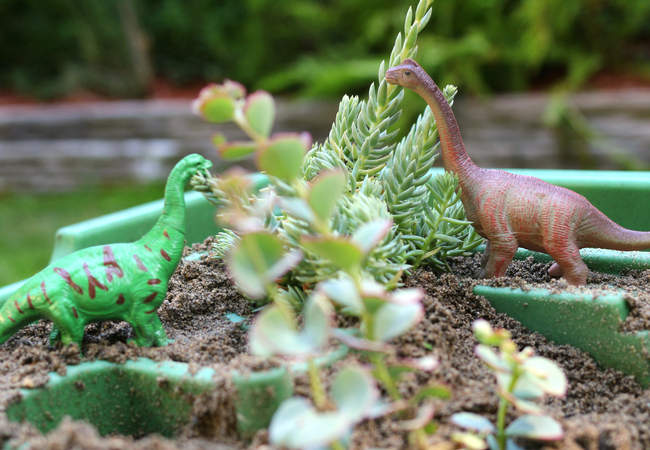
480	273
555	270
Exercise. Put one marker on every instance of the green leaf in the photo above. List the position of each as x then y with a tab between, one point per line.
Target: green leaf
260	112
251	261
274	333
282	156
546	375
325	192
297	425
431	391
541	428
219	109
474	422
343	292
370	234
491	358
341	252
296	207
469	441
236	149
392	320
354	393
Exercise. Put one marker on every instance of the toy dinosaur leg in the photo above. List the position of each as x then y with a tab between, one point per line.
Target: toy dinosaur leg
500	256
67	325
149	331
55	335
480	273
570	264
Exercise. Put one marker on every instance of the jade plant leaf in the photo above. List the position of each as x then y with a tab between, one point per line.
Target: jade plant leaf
474	422
282	156
297	425
260	112
297	208
491	358
219	109
325	192
340	251
343	292
257	260
546	375
236	149
274	331
543	428
369	234
392	320
354	392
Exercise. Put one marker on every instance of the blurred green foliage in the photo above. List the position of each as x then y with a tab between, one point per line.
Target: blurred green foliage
28	221
319	47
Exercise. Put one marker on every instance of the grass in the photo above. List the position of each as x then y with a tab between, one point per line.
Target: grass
28	222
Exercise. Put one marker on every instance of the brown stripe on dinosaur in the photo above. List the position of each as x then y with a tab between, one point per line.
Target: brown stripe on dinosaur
17	306
141	266
68	279
150	312
45	292
29	302
150	297
166	234
165	254
112	267
74	311
10	318
120	299
154	281
148	248
93	282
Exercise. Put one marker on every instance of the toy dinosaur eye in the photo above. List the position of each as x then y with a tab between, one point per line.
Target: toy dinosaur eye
407	73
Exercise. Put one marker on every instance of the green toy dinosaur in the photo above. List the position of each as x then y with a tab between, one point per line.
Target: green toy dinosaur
109	282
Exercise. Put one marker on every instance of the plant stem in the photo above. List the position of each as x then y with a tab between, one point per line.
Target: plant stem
503	408
383	374
317	390
336	445
501	423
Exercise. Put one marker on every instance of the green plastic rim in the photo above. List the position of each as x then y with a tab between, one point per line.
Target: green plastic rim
141	397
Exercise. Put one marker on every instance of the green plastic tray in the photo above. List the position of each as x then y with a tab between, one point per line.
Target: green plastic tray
113	396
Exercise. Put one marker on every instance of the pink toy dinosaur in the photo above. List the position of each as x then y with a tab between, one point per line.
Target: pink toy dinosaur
513	211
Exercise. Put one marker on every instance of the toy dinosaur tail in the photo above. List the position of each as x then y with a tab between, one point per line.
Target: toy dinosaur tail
15	314
612	236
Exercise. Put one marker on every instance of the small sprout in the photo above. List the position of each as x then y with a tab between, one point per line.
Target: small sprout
297	424
521	377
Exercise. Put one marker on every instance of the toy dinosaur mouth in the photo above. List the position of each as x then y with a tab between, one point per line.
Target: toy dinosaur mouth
390	77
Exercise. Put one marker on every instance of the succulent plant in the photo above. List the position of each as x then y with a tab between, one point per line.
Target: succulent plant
521	378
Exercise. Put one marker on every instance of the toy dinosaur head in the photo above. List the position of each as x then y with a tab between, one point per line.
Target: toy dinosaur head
196	163
409	74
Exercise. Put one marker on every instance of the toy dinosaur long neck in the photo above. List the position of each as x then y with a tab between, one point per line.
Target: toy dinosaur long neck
167	236
454	155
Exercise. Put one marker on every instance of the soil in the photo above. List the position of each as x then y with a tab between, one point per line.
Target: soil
603	408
